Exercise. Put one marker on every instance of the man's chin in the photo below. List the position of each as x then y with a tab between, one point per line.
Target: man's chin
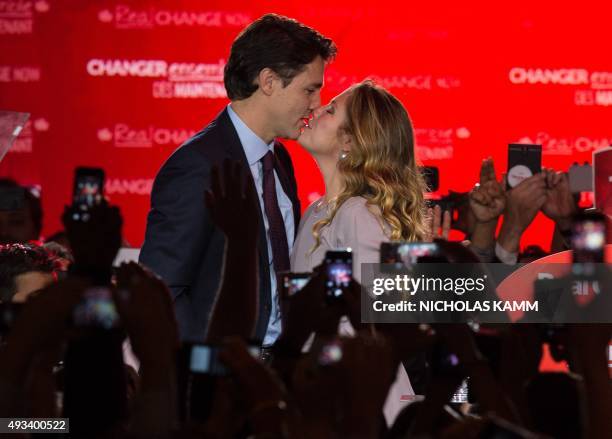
302	138
294	135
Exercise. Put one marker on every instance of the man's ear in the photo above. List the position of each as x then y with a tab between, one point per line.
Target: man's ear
267	80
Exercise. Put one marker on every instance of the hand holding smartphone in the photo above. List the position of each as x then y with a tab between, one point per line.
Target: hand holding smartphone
403	255
291	283
338	266
588	238
96	310
88	189
200	369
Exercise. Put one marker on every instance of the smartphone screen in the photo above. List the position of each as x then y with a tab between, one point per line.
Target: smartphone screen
293	282
523	162
405	254
205	360
338	271
331	353
88	187
96	310
588	238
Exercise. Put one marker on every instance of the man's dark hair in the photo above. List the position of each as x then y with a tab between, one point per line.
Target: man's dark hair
16	259
32	202
282	44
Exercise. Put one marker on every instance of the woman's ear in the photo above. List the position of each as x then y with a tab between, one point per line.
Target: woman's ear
346	141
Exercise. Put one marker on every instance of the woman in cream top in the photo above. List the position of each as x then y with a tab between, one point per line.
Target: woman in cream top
363	144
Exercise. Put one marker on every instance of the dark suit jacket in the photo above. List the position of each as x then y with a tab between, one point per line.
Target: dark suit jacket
183	246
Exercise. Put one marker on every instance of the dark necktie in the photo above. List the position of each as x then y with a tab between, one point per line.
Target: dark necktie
278	234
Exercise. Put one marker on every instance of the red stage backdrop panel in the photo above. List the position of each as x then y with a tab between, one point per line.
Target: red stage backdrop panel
120	84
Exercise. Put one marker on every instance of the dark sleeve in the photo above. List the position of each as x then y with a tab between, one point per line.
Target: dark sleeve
178	225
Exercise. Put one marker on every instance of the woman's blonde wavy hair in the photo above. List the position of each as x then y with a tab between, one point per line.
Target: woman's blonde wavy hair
381	165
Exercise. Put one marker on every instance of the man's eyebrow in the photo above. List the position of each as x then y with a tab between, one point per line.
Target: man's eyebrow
316	85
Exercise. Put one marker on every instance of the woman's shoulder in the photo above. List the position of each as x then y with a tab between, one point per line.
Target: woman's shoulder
358	206
312	206
364	216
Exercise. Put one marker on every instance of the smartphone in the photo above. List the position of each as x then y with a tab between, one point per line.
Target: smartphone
431	175
462	394
198	373
523	161
338	273
405	254
580	178
291	283
88	187
204	359
588	237
331	353
96	310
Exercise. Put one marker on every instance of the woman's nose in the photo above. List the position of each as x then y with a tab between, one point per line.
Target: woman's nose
318	111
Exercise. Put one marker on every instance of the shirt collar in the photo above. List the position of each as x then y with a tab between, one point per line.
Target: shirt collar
254	147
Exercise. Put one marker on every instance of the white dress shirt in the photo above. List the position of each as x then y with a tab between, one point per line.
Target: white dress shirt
255	148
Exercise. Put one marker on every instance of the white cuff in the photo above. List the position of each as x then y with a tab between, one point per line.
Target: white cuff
504	255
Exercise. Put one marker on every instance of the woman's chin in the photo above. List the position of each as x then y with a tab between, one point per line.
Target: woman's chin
304	140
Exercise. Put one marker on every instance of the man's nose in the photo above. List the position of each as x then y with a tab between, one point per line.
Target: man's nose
316	102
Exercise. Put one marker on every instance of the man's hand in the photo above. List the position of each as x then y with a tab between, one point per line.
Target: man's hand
488	198
522	205
525	200
559	205
257	383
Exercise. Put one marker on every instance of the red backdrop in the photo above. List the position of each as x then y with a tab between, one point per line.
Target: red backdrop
120	84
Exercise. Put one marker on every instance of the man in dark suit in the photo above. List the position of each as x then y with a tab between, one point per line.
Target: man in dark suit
273	78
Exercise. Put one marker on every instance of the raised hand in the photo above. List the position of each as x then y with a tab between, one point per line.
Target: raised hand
523	203
233	207
437	225
232	201
41	327
488	198
525	200
559	205
301	312
145	308
363	383
256	382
